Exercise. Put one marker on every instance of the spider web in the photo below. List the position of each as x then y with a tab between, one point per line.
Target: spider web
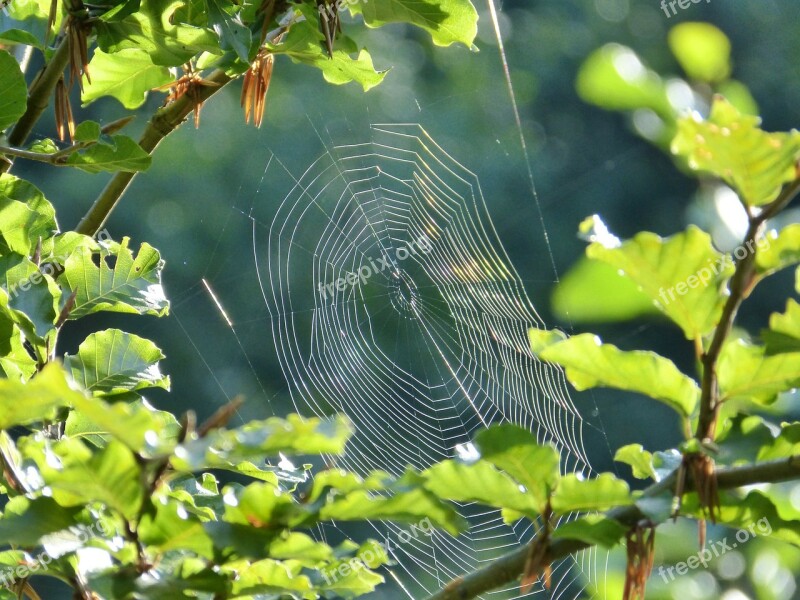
391	299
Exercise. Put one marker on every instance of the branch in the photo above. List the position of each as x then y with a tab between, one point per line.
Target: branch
38	98
739	288
165	121
59	158
509	567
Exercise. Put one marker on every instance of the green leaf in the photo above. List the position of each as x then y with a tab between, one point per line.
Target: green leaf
303	43
38	400
590	363
447	21
168	528
137	425
783	334
594	292
741	439
407	505
26	521
113	362
731	146
231	31
754	514
77	476
124	155
516	451
20	36
131	285
43	146
480	482
259	439
127	75
271	578
639	459
600	493
87	131
614	78
260	505
683	274
27	216
13	91
15	361
785	445
746	372
703	51
32	298
596	530
23	9
778	250
151	29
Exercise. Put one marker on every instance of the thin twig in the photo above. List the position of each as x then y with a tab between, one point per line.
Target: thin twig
38	98
509	567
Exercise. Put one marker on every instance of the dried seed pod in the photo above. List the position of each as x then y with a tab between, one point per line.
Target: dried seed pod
255	87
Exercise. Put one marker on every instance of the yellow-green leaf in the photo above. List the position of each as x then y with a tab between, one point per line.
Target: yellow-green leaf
590	363
733	147
703	51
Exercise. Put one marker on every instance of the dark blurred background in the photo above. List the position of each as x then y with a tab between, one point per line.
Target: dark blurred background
193	203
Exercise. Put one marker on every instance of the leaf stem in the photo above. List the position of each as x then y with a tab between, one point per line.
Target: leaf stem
510	566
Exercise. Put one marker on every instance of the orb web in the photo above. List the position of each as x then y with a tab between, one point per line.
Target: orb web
392	300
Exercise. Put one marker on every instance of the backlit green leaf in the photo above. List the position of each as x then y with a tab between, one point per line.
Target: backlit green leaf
600	493
783	334
746	372
594	292
639	459
447	21
778	250
731	146
592	529
13	91
127	75
516	451
121	283
590	363
683	274
114	362
703	51
614	78
152	30
123	155
304	43
480	482
21	404
25	521
27	216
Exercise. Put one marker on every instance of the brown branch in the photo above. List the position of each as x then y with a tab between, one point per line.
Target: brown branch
165	121
739	287
509	567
